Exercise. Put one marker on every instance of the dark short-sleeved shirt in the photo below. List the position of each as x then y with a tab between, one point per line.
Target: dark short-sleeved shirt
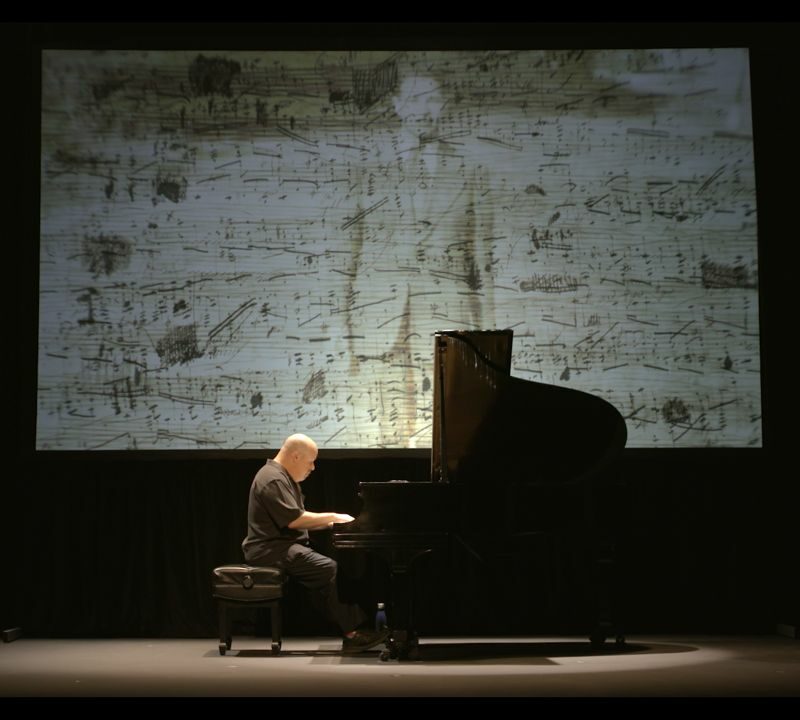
275	501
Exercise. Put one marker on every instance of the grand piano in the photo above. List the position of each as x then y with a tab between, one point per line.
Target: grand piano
498	440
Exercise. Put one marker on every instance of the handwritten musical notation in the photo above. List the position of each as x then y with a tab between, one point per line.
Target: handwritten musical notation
240	245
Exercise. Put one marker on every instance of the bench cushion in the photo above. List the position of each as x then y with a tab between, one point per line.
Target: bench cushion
248	583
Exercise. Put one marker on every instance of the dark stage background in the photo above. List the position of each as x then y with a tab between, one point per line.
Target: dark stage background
124	544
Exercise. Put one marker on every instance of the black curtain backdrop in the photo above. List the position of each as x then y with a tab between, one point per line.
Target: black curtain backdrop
126	548
110	546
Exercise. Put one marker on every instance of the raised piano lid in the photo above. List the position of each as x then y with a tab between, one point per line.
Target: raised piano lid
491	426
467	366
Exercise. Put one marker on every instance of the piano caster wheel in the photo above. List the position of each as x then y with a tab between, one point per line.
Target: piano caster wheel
384	656
598	639
276	648
222	648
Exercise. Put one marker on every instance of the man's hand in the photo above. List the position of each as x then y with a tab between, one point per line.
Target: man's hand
316	521
342	518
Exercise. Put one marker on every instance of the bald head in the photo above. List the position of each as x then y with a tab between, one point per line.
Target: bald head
297	455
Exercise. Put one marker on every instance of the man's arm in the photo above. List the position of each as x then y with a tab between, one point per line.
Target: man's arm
315	521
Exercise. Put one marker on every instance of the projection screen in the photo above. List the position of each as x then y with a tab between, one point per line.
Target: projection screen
239	245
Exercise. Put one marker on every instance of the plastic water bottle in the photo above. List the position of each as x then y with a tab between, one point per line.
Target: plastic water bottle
380	617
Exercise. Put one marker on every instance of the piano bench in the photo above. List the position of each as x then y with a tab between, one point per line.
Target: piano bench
248	586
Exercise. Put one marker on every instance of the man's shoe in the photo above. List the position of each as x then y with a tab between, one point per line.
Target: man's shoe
364	640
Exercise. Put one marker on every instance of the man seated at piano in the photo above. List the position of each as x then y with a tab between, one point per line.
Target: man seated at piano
277	535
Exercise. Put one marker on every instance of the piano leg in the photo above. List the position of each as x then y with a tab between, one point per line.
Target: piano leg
605	581
403	643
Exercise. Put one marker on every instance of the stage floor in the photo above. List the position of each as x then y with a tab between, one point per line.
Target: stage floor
545	667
